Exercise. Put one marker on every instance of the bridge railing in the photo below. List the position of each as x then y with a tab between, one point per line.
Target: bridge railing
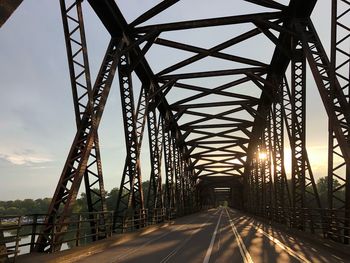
9	236
83	228
19	234
326	223
136	219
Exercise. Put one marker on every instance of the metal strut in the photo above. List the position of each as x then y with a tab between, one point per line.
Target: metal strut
304	190
281	194
169	171
73	24
130	203
337	108
74	169
267	170
338	170
154	196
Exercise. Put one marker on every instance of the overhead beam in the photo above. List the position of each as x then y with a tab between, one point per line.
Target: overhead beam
221	21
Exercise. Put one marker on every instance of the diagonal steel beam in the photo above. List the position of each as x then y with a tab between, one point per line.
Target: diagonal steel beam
7	7
77	160
210	22
74	32
153	12
268	3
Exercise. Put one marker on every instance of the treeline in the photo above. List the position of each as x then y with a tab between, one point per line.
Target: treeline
322	190
41	206
24	207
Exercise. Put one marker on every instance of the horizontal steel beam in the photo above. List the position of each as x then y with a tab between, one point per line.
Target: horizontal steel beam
221	21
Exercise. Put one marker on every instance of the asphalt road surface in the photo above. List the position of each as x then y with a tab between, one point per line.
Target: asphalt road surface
217	235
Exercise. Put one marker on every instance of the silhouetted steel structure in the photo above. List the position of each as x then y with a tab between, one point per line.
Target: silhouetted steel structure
217	137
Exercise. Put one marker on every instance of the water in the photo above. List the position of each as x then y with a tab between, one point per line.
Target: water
26	240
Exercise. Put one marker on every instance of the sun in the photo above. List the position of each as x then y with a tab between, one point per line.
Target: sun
262	156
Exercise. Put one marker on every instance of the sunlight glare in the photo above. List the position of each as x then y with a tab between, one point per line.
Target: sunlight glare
262	155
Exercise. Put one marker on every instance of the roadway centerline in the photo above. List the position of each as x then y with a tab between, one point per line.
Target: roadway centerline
132	250
242	248
172	253
210	248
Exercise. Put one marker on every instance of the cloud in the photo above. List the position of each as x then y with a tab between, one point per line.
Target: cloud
26	157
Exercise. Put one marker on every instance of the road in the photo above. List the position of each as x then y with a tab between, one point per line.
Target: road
217	235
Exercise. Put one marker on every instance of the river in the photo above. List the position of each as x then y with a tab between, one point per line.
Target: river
26	240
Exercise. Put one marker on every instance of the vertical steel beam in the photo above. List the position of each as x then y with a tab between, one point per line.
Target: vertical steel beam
260	179
289	115
189	183
130	202
298	70
281	190
333	96
181	184
338	169
336	105
253	201
74	169
304	190
154	197
267	168
74	32
169	170
257	183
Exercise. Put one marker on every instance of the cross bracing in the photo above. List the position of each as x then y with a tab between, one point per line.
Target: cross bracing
221	94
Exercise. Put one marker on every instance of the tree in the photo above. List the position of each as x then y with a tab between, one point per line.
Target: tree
322	188
111	199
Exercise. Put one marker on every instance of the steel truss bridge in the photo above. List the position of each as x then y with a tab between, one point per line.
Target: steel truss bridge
215	134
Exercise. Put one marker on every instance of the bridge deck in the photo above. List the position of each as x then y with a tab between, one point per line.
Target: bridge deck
217	235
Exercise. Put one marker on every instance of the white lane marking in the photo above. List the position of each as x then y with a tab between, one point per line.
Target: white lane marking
132	250
281	245
172	253
210	248
183	243
242	248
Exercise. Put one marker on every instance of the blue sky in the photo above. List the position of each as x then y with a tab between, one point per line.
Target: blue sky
36	110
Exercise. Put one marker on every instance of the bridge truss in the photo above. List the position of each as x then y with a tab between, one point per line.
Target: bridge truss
218	120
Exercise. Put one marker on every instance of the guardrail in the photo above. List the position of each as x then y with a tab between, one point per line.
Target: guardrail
19	234
9	237
327	223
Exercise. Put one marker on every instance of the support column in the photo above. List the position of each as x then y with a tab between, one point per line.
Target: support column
338	168
267	168
73	172
298	70
130	204
155	196
281	190
169	171
77	54
338	110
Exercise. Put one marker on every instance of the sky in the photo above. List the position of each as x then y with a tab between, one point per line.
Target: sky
37	122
